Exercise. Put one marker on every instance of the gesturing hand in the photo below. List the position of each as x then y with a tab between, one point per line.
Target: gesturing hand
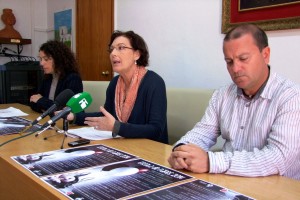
105	123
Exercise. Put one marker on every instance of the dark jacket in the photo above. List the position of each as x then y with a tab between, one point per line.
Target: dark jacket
72	81
148	118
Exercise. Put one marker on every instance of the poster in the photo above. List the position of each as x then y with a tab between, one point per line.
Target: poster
100	172
197	189
114	181
13	125
64	160
63	27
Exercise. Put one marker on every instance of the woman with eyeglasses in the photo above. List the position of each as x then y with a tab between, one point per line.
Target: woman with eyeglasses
60	72
136	102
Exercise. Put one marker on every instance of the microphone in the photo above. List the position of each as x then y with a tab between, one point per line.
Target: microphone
59	101
76	104
7	49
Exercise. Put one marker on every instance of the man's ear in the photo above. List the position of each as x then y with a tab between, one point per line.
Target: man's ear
266	54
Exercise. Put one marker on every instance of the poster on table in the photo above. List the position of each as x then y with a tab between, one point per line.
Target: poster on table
114	181
102	172
64	160
13	125
197	189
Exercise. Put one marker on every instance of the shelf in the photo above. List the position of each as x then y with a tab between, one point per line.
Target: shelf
14	41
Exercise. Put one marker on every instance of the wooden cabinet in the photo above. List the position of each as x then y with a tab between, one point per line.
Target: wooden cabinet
94	26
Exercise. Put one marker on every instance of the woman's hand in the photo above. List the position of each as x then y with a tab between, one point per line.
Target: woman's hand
105	123
70	117
34	98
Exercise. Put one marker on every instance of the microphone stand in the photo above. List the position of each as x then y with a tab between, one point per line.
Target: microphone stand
64	131
42	131
54	124
65	128
56	128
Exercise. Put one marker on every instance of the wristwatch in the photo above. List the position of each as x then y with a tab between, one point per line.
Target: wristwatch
114	134
116	129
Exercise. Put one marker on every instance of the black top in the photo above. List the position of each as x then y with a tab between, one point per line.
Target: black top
148	118
72	81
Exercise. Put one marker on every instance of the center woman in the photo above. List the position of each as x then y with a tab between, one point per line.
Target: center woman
136	102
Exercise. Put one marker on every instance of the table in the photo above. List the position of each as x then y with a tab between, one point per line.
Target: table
18	183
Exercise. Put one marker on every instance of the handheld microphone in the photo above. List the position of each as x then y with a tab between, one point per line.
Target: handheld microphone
76	104
59	101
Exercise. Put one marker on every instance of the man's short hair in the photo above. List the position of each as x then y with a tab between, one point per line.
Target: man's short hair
259	35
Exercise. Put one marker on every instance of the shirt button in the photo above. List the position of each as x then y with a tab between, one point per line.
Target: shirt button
242	127
247	104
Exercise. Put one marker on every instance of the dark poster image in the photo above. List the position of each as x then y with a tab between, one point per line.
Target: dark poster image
63	160
258	4
13	125
197	189
100	172
114	181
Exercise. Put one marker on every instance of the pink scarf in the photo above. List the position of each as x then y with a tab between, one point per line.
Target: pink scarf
125	100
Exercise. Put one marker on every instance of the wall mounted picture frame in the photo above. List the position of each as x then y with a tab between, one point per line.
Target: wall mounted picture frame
63	27
284	14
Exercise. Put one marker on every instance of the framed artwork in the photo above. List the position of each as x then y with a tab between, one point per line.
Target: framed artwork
267	14
63	26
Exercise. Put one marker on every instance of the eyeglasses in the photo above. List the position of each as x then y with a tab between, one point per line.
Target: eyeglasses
119	48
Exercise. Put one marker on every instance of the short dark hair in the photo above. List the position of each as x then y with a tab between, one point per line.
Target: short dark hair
259	36
137	43
63	58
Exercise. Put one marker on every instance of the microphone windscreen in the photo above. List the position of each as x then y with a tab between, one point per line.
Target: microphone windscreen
63	97
79	102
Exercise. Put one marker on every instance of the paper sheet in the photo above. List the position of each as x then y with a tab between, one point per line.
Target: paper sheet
11	112
90	133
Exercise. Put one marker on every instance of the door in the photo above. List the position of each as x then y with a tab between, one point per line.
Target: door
94	26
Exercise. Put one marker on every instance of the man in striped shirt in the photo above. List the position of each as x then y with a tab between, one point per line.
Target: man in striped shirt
258	116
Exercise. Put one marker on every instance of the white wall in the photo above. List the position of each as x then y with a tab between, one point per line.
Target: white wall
185	41
35	21
184	37
23	24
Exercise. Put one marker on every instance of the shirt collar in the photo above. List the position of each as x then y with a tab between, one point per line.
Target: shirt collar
260	92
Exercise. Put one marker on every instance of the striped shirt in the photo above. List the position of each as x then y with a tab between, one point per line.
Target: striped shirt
262	135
